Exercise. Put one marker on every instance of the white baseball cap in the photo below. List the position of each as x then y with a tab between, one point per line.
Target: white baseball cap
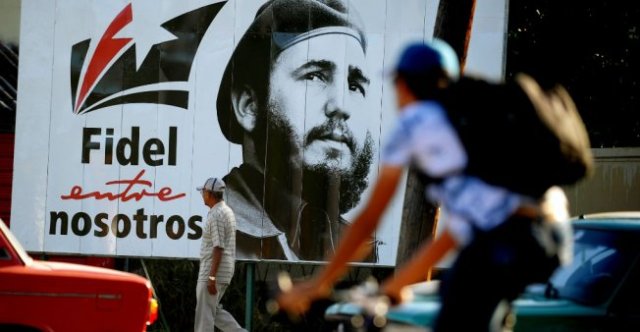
213	184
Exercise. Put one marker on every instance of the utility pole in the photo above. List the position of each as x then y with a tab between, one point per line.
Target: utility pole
419	217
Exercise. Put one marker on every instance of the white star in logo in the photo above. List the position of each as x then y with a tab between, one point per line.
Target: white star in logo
145	29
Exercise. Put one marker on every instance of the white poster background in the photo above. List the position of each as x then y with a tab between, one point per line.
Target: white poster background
49	135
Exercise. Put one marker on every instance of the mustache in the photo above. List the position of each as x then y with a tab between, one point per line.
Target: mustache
331	130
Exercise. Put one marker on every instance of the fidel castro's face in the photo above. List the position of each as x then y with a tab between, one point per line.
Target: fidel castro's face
317	97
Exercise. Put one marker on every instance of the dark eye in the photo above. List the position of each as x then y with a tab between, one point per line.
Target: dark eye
315	76
356	86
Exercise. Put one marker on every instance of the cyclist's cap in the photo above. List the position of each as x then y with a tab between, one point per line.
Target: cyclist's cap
422	58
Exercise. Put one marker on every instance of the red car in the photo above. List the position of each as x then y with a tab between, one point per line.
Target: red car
52	296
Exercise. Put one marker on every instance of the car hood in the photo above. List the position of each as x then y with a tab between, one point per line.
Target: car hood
31	274
423	309
75	268
552	307
418	312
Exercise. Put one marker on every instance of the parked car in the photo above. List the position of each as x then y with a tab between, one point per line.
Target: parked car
53	296
598	291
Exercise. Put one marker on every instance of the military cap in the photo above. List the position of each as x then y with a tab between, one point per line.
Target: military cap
278	25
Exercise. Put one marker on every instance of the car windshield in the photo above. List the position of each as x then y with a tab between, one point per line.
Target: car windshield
601	259
26	259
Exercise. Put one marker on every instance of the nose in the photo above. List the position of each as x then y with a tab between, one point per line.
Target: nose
336	105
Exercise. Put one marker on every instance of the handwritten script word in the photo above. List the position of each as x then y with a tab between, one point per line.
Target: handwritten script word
128	194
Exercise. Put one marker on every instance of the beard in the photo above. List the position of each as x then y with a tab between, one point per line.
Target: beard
325	180
334	189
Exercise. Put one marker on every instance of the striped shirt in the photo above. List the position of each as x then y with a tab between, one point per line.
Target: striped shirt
219	231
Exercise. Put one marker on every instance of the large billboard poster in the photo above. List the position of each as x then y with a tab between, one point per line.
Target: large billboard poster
125	107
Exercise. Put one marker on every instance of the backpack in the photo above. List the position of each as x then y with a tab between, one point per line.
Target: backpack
517	135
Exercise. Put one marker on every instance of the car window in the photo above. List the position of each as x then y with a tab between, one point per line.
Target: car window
600	261
13	242
4	254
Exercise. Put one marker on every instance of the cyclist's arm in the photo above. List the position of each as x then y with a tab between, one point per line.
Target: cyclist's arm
417	268
352	247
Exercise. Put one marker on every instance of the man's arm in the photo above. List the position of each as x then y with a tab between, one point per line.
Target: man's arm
217	232
215	264
353	245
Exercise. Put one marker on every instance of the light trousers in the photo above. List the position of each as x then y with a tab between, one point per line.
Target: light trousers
209	311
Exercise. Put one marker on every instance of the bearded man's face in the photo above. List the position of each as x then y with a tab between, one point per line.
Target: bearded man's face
317	114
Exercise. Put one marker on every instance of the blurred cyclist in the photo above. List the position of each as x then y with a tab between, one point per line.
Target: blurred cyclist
494	228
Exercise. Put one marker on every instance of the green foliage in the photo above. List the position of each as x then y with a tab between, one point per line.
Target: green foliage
174	282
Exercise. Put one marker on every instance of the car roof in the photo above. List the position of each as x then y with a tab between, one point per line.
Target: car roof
622	220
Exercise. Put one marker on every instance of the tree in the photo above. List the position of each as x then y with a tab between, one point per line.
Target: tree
593	49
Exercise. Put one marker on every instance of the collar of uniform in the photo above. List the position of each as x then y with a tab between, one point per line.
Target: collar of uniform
251	217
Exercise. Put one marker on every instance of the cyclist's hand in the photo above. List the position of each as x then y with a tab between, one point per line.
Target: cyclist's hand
296	299
397	293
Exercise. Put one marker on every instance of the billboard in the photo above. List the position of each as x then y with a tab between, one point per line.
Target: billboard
125	107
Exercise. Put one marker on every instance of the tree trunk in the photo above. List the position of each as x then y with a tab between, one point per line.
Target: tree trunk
419	217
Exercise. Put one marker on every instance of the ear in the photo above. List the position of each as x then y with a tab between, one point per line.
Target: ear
245	107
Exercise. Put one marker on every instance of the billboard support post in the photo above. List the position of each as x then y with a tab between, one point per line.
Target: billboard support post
248	312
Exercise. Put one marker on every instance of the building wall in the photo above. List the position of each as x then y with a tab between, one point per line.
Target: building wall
6	175
10	21
615	184
10	34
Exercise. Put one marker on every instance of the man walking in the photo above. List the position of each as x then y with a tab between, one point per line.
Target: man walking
217	260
